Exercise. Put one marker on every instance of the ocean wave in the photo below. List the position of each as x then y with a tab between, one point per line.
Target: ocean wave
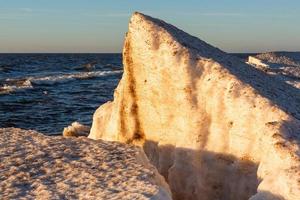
17	85
53	79
11	85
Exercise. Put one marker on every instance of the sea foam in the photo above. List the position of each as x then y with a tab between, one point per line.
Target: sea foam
11	85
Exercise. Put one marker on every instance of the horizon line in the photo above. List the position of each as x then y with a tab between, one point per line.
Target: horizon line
251	52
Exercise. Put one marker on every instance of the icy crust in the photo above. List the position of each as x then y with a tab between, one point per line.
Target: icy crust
34	166
76	129
214	126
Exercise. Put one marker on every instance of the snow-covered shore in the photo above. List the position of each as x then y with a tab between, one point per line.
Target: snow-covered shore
34	166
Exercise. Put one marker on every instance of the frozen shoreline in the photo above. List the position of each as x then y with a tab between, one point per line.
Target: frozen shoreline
53	167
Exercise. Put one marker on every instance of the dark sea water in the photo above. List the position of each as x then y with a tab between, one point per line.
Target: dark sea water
47	92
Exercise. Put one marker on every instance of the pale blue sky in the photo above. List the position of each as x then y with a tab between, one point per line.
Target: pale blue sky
100	25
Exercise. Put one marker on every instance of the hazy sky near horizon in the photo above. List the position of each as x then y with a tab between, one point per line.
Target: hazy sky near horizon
100	25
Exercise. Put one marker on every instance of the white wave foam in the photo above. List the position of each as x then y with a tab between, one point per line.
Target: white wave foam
17	84
5	89
49	80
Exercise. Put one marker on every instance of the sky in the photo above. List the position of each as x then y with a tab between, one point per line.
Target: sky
99	26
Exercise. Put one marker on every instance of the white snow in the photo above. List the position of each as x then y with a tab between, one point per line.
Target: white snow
34	166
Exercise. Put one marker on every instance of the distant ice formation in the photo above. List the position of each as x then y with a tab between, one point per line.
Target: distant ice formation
283	65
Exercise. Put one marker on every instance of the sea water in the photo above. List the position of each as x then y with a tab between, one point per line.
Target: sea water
47	92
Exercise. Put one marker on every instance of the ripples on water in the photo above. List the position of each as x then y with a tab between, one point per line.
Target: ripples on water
47	92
